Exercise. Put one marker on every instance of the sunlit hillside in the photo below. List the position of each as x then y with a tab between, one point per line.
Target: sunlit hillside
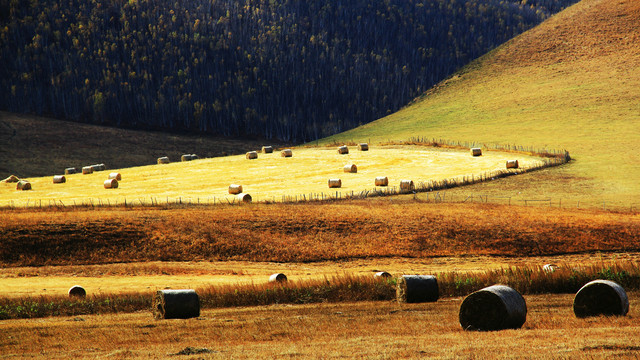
570	83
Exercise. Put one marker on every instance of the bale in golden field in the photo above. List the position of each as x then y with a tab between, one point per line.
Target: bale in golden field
194	157
512	164
600	297
343	149
407	186
350	168
69	171
244	197
115	175
382	181
286	153
252	155
417	289
163	160
59	179
335	183
98	167
382	274
363	147
77	291
267	149
87	170
476	152
549	268
235	189
496	307
277	278
176	304
111	184
185	157
23	185
11	179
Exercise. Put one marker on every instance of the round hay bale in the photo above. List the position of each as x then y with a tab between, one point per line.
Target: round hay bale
335	183
351	168
382	181
77	291
176	304
549	268
279	277
163	160
267	149
343	149
59	179
194	157
363	147
407	186
235	189
512	164
115	175
11	179
286	153
601	297
417	289
476	152
381	275
87	170
98	167
69	171
242	197
252	155
185	157
111	184
23	185
496	307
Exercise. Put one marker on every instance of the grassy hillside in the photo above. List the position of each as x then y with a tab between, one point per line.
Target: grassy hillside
570	83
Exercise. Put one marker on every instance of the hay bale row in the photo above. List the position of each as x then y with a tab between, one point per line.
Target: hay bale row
23	185
417	289
512	164
350	168
600	297
235	189
335	183
59	179
406	186
252	155
98	167
163	160
382	181
176	304
286	153
363	147
496	307
87	170
267	149
278	278
11	179
343	150
70	171
476	152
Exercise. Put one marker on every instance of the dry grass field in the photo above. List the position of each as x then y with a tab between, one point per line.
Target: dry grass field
267	178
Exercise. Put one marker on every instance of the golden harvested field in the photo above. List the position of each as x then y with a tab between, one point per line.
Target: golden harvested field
368	330
267	178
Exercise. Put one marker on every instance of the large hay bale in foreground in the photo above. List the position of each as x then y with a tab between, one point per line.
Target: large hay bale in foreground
382	181
343	149
350	168
600	297
235	189
87	170
77	291
279	277
363	147
335	183
267	149
176	304
417	289
111	184
252	155
59	179
476	152
11	179
406	186
163	160
70	171
23	185
286	153
496	307
243	197
115	175
512	164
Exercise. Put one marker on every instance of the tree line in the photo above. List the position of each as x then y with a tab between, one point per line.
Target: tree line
286	69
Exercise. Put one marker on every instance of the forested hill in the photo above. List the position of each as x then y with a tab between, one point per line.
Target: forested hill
287	69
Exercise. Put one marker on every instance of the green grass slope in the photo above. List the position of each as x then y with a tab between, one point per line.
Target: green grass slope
571	83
